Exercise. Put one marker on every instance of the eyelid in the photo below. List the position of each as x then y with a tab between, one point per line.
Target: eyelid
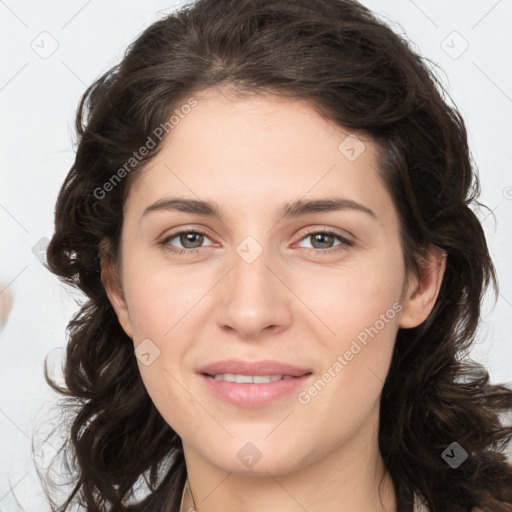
333	231
186	229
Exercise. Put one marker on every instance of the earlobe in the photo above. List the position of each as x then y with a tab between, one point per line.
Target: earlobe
112	284
423	290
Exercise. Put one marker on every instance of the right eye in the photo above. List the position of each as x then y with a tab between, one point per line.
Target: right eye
185	237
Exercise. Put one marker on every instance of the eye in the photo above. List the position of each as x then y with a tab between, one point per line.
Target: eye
322	239
190	239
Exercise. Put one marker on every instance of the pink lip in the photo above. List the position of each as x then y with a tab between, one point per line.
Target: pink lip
253	395
241	367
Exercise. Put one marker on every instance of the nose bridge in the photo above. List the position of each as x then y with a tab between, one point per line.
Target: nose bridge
253	296
250	268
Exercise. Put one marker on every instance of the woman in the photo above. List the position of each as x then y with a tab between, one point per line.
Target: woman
270	212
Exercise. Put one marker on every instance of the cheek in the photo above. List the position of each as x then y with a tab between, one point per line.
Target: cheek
359	310
162	307
161	298
352	296
356	361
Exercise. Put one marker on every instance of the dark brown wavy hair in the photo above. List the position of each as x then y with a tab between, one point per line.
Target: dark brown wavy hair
354	70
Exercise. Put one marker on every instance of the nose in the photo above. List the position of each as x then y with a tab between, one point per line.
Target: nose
253	299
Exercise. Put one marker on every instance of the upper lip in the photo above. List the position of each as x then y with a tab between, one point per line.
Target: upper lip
265	367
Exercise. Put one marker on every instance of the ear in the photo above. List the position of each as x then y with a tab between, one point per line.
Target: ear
112	282
422	291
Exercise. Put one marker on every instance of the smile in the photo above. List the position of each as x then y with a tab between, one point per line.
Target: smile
249	379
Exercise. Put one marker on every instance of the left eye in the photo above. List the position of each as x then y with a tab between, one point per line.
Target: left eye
319	237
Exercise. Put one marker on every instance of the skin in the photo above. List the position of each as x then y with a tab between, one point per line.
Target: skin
296	302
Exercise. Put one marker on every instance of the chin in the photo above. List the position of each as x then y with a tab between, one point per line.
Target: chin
256	459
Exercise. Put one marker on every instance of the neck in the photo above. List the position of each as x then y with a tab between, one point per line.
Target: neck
350	478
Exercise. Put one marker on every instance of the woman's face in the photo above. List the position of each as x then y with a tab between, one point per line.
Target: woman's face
262	283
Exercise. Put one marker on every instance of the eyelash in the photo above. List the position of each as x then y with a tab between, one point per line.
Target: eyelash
345	242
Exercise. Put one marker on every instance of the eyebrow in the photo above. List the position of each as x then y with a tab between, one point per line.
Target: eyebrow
289	210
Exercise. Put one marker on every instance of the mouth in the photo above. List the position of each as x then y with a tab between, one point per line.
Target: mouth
251	385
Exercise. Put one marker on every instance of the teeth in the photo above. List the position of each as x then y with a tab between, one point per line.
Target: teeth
250	379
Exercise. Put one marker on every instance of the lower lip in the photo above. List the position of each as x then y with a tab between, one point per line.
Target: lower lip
254	395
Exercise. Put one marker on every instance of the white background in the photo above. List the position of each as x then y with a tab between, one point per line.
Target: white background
38	99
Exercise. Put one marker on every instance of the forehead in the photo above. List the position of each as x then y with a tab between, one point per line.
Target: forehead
261	148
269	125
